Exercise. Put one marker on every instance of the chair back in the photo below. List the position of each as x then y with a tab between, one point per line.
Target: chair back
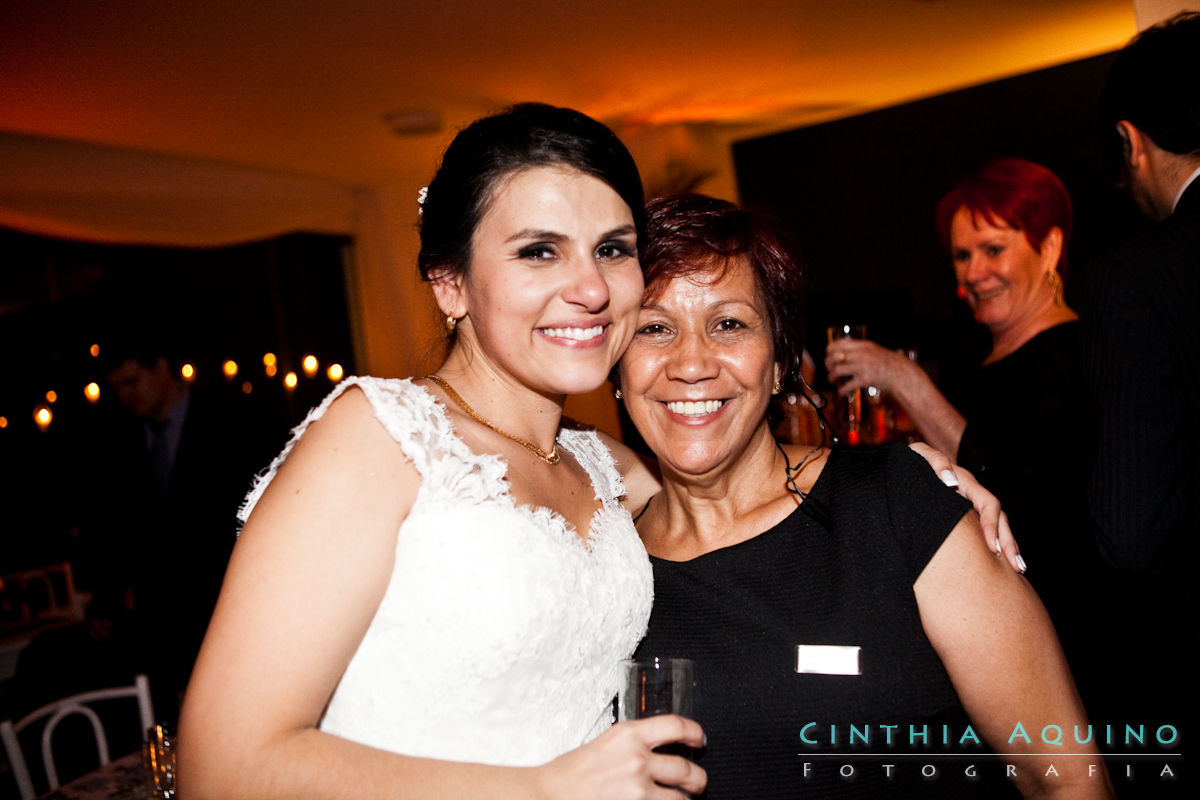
57	711
39	596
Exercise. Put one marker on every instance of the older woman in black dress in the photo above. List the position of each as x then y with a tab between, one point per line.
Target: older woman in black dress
818	590
1016	423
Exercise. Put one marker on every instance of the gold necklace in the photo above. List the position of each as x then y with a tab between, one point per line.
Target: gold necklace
550	457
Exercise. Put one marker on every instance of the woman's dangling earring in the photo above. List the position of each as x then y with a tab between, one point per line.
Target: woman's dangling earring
778	386
617	393
1056	286
451	323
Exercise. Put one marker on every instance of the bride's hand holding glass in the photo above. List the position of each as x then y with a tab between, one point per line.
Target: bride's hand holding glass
622	763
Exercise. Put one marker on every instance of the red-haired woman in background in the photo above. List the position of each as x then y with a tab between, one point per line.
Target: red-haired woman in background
1017	426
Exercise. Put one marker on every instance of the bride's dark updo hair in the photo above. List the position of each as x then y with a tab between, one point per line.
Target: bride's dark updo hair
521	137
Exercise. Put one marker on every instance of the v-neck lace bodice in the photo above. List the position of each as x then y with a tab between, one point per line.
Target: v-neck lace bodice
499	636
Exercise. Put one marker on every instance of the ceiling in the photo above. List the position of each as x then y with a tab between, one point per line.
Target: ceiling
305	86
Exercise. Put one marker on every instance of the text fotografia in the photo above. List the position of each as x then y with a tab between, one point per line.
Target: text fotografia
875	735
1162	771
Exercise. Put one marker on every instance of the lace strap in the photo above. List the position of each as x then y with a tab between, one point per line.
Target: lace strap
418	423
597	459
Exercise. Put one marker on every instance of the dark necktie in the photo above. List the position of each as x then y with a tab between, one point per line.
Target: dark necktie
160	455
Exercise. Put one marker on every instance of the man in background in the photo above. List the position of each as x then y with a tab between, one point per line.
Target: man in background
1139	315
164	478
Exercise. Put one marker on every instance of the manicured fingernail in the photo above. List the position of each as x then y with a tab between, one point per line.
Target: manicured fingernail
996	546
949	478
1021	564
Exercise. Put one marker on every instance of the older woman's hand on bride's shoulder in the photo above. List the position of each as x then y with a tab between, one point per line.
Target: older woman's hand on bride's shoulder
621	763
994	522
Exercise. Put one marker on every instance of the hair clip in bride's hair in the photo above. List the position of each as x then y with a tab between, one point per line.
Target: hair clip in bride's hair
422	193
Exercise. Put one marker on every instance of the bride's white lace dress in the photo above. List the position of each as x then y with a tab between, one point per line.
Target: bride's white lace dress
500	634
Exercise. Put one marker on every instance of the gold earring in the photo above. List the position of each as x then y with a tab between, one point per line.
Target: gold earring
451	323
1056	286
617	394
777	388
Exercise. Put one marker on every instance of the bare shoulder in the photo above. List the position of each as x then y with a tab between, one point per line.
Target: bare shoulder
641	481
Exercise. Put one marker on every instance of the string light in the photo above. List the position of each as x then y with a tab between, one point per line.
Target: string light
3	423
43	416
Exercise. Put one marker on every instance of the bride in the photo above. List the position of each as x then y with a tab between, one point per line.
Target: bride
437	568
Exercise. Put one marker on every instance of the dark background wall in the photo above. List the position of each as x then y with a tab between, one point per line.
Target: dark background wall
859	196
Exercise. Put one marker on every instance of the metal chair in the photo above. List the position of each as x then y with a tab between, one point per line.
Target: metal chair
55	713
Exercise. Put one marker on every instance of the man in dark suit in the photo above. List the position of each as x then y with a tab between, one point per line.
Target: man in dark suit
168	473
1139	316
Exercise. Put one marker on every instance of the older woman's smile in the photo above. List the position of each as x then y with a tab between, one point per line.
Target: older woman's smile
694	408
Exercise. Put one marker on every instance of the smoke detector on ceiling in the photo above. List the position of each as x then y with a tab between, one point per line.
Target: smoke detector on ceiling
413	121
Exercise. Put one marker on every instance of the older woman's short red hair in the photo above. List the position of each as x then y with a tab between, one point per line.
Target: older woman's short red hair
696	237
1014	192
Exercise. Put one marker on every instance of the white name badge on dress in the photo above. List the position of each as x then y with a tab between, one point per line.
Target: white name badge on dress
827	659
